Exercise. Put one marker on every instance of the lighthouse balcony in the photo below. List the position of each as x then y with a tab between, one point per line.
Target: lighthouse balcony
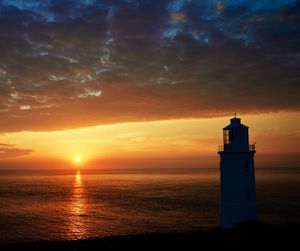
251	148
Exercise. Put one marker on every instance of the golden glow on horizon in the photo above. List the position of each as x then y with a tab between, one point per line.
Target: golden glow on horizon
273	133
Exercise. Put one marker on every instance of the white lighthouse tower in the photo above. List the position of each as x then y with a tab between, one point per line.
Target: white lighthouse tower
238	196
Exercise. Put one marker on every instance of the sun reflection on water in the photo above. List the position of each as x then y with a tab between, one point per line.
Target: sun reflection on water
77	228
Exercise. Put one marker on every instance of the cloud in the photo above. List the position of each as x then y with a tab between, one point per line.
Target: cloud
10	151
6	145
66	64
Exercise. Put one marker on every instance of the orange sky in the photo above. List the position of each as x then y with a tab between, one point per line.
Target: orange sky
168	143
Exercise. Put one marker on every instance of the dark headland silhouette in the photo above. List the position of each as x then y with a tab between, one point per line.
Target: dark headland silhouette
250	235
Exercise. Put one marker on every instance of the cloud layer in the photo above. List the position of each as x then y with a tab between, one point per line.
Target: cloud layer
10	151
66	64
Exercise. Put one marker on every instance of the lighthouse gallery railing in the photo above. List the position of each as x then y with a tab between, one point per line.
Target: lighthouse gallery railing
251	148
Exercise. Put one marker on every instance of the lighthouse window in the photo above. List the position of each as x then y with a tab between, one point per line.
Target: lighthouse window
247	167
228	136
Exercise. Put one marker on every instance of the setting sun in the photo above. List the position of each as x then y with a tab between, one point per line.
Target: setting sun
78	159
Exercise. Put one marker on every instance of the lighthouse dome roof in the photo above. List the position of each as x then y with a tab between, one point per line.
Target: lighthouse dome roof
234	123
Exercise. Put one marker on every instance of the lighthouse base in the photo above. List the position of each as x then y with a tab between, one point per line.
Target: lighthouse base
234	214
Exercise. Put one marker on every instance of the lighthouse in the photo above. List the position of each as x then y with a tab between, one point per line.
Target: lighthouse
238	195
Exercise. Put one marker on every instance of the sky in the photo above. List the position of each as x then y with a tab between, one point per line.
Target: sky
146	83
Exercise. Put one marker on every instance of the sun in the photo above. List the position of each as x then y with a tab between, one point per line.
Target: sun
78	159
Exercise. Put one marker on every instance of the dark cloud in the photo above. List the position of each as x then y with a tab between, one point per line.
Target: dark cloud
10	151
70	63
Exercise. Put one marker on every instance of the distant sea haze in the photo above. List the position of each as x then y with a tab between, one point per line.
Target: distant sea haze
70	204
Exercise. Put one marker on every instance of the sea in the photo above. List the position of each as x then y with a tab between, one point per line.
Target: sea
38	205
